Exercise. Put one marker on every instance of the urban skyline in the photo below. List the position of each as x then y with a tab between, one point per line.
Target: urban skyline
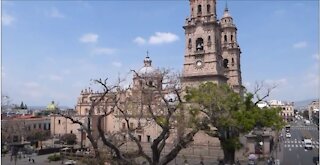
51	50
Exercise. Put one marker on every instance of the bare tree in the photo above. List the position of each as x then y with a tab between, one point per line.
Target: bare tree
261	91
154	101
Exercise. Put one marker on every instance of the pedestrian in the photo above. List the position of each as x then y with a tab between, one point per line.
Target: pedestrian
32	160
29	159
201	162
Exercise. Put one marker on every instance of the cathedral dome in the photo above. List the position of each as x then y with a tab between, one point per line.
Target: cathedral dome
147	69
51	106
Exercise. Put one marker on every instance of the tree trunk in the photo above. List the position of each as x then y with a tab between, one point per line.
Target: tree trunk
229	156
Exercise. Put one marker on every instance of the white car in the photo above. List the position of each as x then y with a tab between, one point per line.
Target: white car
308	144
288	135
70	162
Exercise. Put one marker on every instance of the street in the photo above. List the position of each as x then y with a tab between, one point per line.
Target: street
292	151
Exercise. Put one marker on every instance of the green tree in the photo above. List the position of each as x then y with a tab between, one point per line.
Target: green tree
232	115
69	138
38	135
305	114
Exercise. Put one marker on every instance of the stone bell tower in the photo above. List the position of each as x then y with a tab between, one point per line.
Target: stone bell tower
203	61
231	52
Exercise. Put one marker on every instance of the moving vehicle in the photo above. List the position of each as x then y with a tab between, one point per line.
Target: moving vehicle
308	144
288	135
307	122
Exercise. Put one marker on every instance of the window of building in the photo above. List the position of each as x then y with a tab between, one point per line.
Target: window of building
71	132
124	137
232	62
208	8
199	44
139	138
48	126
231	37
131	125
39	125
34	126
59	122
225	63
225	38
29	127
199	9
148	138
190	43
150	83
123	125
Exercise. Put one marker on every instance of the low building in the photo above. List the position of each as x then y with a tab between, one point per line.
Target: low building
313	108
16	129
287	108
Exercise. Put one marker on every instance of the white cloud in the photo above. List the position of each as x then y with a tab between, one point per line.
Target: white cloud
55	13
302	44
117	64
55	78
102	51
139	40
316	56
7	20
163	37
89	38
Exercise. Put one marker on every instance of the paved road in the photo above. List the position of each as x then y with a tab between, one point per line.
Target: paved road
293	151
39	159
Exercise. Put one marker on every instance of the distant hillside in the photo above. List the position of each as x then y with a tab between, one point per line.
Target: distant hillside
303	104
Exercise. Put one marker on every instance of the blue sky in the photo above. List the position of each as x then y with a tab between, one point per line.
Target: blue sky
51	49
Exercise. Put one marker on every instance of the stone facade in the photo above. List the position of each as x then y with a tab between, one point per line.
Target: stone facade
211	52
20	127
313	107
287	108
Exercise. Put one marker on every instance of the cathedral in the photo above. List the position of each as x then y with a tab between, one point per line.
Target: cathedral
212	54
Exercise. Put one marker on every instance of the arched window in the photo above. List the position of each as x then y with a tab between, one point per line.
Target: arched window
199	9
231	37
199	44
190	43
209	39
225	38
225	63
208	8
232	62
150	83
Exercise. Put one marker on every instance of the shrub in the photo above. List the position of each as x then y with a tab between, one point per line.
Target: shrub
54	157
